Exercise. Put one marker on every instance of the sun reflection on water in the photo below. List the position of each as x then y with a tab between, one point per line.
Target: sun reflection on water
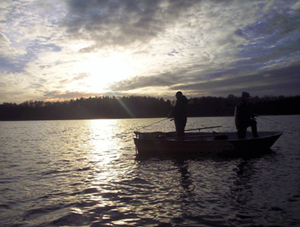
102	136
104	151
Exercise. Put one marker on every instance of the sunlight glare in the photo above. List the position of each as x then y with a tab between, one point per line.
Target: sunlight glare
104	71
105	152
102	135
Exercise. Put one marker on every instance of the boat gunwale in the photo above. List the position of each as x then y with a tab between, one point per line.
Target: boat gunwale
205	134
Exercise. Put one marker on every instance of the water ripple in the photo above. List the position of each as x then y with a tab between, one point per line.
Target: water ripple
85	173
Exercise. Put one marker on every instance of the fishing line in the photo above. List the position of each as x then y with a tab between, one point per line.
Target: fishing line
153	123
277	122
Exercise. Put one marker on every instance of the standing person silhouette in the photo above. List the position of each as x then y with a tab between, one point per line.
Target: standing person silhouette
244	117
179	113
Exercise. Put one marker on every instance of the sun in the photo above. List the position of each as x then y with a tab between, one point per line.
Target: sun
104	71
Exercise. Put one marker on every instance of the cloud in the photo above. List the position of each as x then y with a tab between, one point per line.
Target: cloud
55	96
2	84
267	75
266	82
285	79
121	23
151	47
5	49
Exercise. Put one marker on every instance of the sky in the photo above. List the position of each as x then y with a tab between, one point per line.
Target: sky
55	50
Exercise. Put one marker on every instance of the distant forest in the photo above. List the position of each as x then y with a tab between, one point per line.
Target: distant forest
141	107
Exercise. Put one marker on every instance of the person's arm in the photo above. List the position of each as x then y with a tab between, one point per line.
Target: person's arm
171	114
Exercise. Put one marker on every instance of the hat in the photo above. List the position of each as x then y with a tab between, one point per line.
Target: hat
178	94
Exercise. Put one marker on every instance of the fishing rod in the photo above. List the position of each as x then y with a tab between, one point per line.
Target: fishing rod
153	123
193	129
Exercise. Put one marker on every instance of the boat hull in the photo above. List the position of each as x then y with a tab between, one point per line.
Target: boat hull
204	144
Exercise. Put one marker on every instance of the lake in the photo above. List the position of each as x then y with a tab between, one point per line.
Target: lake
85	173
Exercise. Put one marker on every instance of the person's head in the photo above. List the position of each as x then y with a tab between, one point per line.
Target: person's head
178	94
245	95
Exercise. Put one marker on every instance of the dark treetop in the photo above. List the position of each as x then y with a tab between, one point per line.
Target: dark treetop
142	107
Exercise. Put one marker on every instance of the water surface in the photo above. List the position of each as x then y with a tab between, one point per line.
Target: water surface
85	173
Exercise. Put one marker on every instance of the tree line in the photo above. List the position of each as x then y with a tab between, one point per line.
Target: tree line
106	107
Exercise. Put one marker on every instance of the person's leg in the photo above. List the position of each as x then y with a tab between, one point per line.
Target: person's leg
183	126
242	133
180	125
253	125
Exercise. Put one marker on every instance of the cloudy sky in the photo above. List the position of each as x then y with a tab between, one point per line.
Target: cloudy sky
59	49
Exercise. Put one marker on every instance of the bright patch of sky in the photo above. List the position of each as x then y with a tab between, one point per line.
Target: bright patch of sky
60	49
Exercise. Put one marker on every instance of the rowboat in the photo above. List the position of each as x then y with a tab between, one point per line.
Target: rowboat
203	143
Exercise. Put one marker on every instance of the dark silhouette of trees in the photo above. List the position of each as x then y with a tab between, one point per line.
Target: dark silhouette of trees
90	108
142	107
267	105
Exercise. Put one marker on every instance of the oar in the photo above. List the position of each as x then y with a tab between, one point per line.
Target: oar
193	129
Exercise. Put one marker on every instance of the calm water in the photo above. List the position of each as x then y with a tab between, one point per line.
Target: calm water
85	173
